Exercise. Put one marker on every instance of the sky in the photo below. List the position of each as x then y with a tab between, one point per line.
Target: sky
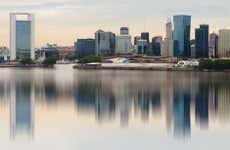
63	21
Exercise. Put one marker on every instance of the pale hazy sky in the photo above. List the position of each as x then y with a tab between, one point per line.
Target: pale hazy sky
63	21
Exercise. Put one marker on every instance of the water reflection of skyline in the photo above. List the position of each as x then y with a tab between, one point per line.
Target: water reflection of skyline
113	96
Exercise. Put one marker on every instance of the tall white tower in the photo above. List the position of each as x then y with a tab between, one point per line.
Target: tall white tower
21	36
168	41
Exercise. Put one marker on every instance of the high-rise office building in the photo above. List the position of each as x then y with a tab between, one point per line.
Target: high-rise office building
104	42
167	46
21	36
201	40
142	46
124	31
224	44
181	36
145	36
156	46
213	45
84	47
123	41
50	50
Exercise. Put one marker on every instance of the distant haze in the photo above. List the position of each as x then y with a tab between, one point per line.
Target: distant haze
63	21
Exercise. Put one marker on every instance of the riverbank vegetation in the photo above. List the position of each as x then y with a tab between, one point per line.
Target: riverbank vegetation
49	61
218	64
90	59
26	61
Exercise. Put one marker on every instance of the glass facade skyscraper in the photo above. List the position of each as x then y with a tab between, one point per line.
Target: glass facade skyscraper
23	39
201	41
181	36
21	36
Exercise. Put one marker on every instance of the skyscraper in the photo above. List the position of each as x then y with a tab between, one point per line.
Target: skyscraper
224	44
105	42
167	46
124	31
201	41
213	45
156	45
181	35
145	36
123	41
21	36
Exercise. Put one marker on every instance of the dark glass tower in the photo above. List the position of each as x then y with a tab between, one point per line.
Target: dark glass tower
145	36
201	41
181	36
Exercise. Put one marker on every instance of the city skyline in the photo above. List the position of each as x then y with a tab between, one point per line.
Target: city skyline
64	21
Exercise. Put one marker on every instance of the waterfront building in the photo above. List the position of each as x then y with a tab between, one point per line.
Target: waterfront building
21	36
167	46
213	45
104	42
4	54
181	36
50	50
123	42
201	40
156	46
84	47
142	46
145	36
224	43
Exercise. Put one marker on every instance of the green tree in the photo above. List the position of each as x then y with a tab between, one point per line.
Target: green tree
50	61
90	59
26	61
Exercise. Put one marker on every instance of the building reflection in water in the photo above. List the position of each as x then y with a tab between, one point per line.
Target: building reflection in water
181	114
123	98
22	109
202	105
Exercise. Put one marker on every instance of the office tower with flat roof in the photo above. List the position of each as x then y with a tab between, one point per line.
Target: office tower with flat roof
123	41
21	36
156	46
201	40
167	46
84	47
213	45
105	42
145	36
224	43
142	46
124	31
181	36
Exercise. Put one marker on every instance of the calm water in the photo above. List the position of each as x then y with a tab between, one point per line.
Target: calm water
65	109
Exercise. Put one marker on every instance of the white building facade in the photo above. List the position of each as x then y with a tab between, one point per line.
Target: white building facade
224	43
105	42
22	36
167	46
123	42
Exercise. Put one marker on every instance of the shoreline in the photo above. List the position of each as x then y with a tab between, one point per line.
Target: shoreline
128	67
24	66
142	67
